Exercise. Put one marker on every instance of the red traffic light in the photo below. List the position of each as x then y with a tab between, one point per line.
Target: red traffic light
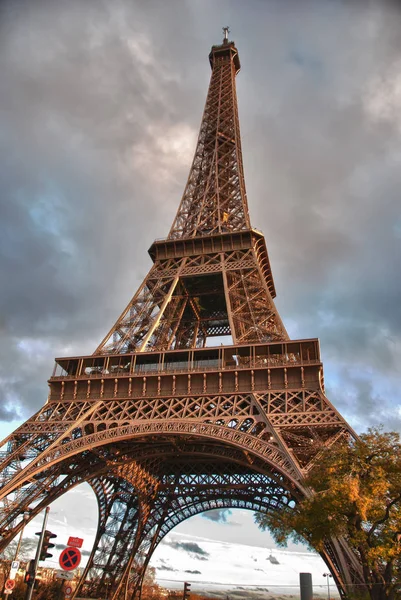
27	577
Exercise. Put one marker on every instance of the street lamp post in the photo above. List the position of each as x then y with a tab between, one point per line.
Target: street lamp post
328	584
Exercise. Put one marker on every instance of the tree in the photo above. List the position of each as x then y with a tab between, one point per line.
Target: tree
27	551
357	495
49	590
150	589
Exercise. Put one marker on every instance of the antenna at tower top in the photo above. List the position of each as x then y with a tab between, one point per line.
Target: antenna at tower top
226	31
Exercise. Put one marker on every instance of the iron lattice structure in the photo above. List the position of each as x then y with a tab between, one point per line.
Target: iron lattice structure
161	424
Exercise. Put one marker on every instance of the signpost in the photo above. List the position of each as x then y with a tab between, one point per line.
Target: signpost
69	559
14	569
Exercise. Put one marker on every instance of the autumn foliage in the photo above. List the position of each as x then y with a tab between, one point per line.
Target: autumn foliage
357	495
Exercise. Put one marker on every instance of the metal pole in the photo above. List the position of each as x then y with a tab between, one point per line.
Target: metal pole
19	544
61	590
29	590
25	517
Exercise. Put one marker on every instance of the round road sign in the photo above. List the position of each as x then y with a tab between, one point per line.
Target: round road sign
69	559
10	584
68	590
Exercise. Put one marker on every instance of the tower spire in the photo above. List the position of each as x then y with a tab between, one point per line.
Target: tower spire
214	199
211	276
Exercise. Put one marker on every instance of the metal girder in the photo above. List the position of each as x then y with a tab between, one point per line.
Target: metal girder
191	487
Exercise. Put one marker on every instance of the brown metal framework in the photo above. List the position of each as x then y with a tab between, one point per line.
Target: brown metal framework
159	422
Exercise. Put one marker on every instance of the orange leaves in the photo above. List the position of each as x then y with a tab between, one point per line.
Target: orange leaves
355	494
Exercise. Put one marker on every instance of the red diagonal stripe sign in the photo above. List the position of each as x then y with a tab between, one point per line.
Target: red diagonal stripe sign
69	559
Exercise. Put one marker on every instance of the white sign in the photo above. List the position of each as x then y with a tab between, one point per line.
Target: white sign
68	590
14	569
64	575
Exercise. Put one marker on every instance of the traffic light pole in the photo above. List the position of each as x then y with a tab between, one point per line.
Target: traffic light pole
31	583
187	590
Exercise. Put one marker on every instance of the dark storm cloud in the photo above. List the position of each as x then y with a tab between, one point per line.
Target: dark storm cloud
193	572
356	395
331	204
167	568
219	515
164	566
7	413
191	547
63	546
273	560
99	114
84	97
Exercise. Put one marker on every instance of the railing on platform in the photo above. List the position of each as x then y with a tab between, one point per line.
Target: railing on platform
224	358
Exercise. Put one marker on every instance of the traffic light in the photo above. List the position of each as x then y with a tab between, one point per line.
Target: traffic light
29	572
46	544
27	577
187	590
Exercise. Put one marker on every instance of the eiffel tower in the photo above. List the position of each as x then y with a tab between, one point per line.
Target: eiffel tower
162	423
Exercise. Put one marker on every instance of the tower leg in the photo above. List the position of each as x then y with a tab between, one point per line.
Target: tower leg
115	538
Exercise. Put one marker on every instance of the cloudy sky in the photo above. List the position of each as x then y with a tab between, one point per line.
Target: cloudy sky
220	551
99	112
